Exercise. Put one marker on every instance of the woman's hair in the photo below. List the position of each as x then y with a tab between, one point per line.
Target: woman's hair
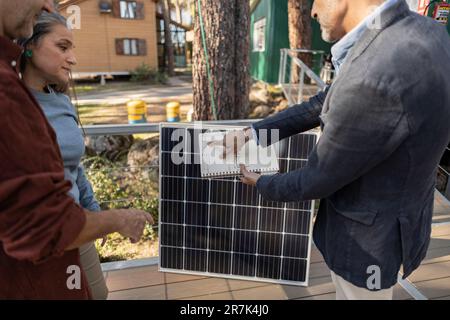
44	25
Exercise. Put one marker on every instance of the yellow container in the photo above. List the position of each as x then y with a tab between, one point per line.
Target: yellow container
173	111
137	111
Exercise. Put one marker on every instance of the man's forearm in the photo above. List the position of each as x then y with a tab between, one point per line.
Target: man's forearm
294	120
97	225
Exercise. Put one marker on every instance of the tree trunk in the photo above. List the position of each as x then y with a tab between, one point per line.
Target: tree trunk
300	33
227	31
168	45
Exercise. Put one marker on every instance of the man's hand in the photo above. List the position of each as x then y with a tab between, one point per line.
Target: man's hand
129	223
249	178
233	141
132	223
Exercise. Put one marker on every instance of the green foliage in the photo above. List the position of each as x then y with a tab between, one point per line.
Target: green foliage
144	73
106	184
83	89
116	186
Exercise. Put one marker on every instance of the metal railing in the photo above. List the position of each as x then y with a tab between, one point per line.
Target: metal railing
124	129
293	75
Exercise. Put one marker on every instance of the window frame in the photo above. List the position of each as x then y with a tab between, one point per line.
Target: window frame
131	47
130	11
130	42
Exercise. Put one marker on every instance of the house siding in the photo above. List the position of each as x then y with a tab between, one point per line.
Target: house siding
96	40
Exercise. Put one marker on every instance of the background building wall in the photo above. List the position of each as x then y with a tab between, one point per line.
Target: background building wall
95	41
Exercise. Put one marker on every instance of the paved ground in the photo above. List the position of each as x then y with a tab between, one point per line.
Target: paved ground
111	102
177	89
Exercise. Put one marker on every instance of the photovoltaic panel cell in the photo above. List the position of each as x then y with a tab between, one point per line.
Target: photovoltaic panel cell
221	227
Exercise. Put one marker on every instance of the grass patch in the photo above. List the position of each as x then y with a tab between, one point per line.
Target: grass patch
116	187
90	108
112	86
84	89
104	113
117	248
144	136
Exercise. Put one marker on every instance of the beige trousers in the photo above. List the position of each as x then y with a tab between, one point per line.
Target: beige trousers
90	263
347	291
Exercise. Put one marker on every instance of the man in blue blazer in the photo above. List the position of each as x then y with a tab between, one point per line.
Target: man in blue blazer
385	125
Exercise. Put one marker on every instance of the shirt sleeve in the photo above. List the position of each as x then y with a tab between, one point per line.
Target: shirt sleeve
38	219
296	119
87	198
358	134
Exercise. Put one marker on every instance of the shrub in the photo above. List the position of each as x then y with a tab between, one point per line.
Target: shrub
116	187
144	73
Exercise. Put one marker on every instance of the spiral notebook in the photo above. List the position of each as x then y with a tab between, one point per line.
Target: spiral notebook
256	158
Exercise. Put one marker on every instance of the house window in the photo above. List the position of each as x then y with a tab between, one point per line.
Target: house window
128	9
131	47
259	36
178	42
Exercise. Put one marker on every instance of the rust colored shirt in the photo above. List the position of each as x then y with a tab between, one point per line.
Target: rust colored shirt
38	219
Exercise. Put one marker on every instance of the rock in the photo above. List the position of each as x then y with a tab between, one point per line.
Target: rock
283	105
144	153
278	100
265	94
259	94
110	147
89	152
260	111
258	85
259	97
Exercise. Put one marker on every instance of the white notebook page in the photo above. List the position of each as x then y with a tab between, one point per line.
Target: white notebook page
255	158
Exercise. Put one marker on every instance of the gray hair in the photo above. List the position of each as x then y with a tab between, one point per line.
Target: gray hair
43	26
46	21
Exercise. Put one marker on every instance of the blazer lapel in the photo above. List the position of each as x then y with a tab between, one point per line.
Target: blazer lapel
389	16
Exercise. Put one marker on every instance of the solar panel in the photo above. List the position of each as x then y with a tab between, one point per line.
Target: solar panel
222	227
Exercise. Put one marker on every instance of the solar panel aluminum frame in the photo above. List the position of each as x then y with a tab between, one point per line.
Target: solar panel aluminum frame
202	126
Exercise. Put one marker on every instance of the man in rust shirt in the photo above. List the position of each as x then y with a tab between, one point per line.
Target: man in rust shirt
41	227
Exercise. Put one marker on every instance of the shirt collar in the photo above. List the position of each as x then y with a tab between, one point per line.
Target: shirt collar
10	53
341	49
